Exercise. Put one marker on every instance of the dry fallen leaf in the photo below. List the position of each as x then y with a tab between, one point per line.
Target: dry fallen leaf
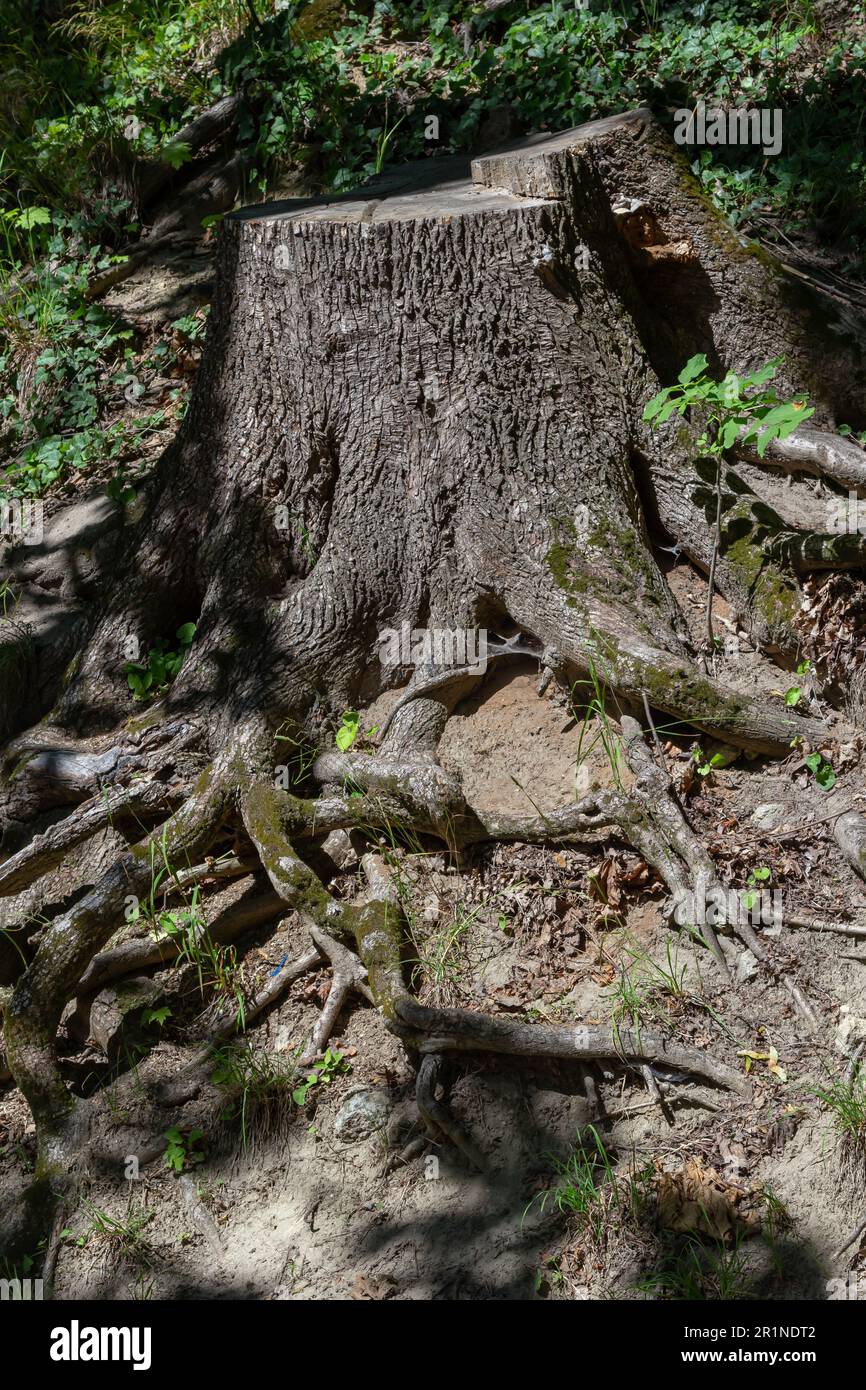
697	1199
365	1287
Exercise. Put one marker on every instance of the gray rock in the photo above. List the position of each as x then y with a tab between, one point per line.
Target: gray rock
361	1115
768	815
339	849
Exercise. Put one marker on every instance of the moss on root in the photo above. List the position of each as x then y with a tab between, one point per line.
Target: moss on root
772	593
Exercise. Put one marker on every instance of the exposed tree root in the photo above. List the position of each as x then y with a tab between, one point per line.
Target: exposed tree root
818	452
48	848
437	1116
348	975
458	1030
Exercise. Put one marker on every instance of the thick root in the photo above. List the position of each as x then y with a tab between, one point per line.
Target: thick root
458	1030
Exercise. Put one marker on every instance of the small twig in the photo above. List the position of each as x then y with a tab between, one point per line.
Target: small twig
808	825
717	540
851	1239
813	924
655	1091
656	740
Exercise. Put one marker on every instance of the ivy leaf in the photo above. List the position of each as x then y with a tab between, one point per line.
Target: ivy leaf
175	154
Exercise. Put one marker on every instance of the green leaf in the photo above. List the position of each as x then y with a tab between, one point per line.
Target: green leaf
348	730
652	408
175	154
825	777
695	367
668	409
33	217
155	1015
730	430
186	633
764	373
823	770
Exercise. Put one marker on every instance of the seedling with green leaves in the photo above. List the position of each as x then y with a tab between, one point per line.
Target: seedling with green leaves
183	1149
821	769
151	678
323	1072
738	410
155	1016
794	693
756	877
705	763
350	727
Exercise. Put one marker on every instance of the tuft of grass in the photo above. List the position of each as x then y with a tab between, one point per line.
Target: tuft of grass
123	1237
696	1270
261	1085
595	727
649	991
588	1191
847	1100
438	964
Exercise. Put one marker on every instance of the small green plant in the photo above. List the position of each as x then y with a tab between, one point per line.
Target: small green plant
332	1065
8	597
302	757
794	693
437	963
183	1150
741	410
386	134
151	678
705	765
587	1190
349	729
777	1217
759	875
649	991
157	1016
595	727
821	769
124	1237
